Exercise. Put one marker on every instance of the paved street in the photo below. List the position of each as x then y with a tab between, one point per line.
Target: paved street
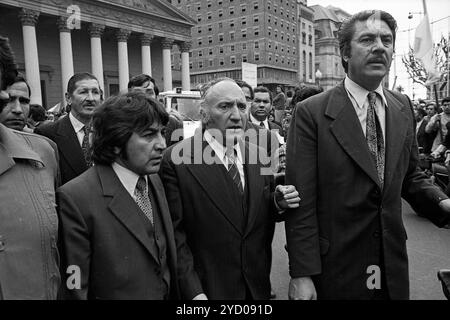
428	249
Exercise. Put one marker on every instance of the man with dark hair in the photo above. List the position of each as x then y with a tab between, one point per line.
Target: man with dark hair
260	109
147	84
28	220
115	222
71	133
223	202
352	153
15	113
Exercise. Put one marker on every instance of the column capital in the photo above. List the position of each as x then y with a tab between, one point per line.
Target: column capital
62	24
122	35
28	17
167	43
185	46
96	30
146	39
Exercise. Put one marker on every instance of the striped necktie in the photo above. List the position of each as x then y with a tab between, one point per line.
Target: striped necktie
233	170
374	136
85	146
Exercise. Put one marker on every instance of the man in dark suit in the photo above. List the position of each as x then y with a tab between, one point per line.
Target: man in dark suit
352	153
117	235
260	109
71	133
222	201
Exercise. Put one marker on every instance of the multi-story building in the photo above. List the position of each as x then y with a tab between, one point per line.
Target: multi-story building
306	43
113	39
229	32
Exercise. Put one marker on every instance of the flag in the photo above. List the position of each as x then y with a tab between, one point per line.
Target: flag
423	50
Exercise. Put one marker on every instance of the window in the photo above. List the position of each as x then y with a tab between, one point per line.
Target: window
220	49
221	61
275	21
210	52
232	35
244	58
243	21
256	56
275	7
270	57
232	59
282	35
310	65
198	7
282	49
310	40
243	7
209	27
210	40
255	19
275	33
304	37
281	24
200	64
309	28
269	4
244	33
209	4
199	41
190	65
200	53
256	45
220	36
199	17
303	26
244	46
269	44
220	12
219	2
255	5
269	31
232	48
256	31
231	23
210	62
287	38
304	66
269	18
199	30
209	15
231	10
220	25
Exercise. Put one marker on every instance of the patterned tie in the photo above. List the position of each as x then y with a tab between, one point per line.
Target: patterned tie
233	170
85	146
142	198
374	136
261	124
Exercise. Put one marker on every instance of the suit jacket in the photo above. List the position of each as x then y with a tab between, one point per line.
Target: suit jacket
227	251
102	233
346	222
71	158
424	140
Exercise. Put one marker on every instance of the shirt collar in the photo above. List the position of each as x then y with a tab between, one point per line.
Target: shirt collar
219	149
12	146
254	120
77	124
359	93
127	177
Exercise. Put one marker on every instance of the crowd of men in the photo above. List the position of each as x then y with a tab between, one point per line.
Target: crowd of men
102	204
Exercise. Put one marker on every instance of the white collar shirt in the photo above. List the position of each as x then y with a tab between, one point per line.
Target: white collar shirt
78	127
127	177
257	122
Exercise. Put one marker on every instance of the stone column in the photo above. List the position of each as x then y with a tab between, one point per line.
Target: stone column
65	45
29	18
167	63
185	77
95	32
122	38
146	40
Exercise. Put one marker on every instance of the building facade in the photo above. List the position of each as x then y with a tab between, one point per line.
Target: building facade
229	32
306	44
113	39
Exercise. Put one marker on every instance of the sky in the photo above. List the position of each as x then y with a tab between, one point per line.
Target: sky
399	9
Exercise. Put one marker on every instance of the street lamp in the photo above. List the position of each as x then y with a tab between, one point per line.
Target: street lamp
318	76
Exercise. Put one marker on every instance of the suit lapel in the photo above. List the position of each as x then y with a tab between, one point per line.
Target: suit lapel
348	132
208	176
255	185
69	146
396	128
123	207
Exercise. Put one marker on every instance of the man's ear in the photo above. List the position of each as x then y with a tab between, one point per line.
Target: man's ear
117	151
68	98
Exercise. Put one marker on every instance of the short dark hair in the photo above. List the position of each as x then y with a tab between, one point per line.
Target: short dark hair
8	67
421	112
304	93
21	78
117	118
71	85
446	99
242	83
264	89
37	112
140	79
347	30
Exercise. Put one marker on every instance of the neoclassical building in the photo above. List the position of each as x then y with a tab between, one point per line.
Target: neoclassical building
113	39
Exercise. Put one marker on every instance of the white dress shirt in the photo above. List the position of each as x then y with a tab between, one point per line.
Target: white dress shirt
220	150
257	122
127	177
360	101
78	126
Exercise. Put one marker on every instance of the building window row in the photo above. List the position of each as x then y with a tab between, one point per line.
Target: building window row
221	61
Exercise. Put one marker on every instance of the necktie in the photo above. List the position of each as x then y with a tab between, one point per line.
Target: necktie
142	198
233	170
85	146
261	124
374	136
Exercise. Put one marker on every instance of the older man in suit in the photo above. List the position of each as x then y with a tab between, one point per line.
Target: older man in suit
222	201
71	133
117	235
352	153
